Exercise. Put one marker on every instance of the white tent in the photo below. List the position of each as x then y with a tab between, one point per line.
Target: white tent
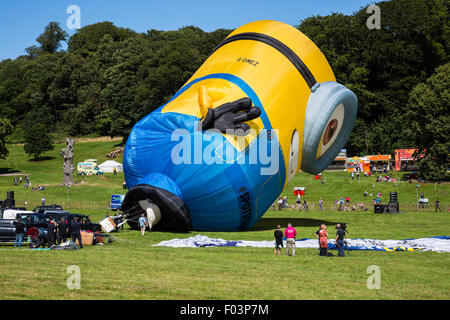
109	165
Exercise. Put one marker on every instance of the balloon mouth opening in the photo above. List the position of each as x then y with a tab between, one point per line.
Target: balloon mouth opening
164	210
152	212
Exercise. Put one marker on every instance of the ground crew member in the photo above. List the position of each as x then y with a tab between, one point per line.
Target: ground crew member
290	234
62	230
20	231
51	233
278	234
76	234
142	224
340	240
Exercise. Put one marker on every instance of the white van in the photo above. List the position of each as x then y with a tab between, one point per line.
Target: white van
12	213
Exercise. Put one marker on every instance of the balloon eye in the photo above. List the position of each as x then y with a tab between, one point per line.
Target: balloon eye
330	131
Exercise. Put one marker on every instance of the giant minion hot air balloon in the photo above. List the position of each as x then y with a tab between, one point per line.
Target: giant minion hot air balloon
264	105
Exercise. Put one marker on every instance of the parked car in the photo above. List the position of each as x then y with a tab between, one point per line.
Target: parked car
41	221
55	212
41	209
10	213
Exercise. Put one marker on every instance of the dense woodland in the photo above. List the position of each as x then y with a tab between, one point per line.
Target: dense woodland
110	77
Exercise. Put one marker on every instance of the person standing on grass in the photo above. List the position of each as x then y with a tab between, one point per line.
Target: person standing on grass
323	240
340	234
290	233
62	230
76	233
321	204
437	205
115	171
142	224
280	204
286	204
29	224
20	231
51	233
278	234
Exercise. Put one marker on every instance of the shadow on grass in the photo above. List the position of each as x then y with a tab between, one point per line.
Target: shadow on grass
8	170
42	159
271	223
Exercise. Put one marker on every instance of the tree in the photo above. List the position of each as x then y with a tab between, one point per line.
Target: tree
5	130
383	66
428	117
51	37
87	40
37	140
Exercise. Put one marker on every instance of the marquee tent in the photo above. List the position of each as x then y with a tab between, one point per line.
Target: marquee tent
108	166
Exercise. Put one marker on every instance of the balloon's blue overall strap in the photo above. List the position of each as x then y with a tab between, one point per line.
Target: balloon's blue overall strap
244	194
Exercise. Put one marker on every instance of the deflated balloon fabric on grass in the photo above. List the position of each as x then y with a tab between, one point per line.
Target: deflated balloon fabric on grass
437	244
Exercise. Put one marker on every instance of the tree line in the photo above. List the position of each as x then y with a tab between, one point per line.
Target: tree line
110	77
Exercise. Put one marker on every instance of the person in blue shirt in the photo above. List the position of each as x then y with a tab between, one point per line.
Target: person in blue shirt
142	223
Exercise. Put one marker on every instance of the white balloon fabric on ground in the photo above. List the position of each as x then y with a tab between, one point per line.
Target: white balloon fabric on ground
437	244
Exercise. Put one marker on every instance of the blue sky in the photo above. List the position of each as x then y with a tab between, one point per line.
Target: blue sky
22	21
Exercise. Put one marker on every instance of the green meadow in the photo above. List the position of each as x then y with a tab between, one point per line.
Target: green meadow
132	268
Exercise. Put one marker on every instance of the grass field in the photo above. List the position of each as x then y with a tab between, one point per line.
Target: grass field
132	268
